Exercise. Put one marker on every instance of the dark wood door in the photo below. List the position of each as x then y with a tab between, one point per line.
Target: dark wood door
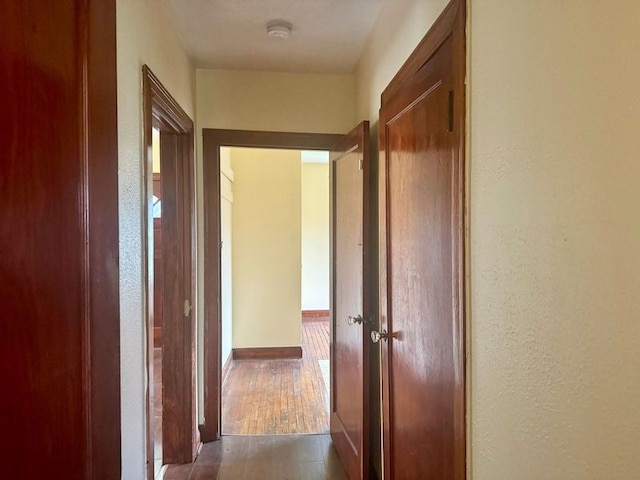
350	312
179	442
59	307
420	346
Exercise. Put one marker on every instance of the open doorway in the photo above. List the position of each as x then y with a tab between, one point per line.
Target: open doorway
169	265
274	207
158	270
350	303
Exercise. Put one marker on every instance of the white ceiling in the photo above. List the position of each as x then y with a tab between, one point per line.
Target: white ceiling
328	35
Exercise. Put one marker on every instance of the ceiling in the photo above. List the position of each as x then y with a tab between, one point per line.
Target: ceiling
328	36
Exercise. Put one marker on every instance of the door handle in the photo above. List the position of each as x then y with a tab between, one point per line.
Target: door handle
357	320
376	336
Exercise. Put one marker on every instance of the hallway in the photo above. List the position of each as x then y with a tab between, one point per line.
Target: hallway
270	457
262	397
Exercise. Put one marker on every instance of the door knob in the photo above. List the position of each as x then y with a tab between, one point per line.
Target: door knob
376	336
351	320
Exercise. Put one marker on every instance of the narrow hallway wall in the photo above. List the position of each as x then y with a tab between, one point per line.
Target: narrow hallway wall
144	36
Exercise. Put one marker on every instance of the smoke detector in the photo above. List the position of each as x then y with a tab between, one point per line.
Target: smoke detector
279	29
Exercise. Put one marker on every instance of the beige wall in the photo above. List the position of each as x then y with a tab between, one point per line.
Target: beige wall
226	228
554	231
315	236
289	102
144	35
266	248
155	145
388	48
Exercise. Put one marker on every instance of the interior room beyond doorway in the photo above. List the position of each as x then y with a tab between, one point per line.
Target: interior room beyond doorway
274	217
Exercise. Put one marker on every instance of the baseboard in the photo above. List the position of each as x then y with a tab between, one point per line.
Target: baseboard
267	353
310	315
225	368
157	337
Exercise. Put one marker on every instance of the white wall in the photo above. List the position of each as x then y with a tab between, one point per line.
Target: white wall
144	35
315	236
266	248
226	228
554	235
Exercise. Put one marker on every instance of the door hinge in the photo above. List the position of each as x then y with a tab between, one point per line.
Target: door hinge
187	308
361	164
451	110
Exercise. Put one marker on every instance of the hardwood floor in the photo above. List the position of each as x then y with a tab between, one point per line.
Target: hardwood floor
262	397
268	457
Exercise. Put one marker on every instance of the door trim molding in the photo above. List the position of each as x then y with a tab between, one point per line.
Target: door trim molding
212	140
101	344
451	24
163	112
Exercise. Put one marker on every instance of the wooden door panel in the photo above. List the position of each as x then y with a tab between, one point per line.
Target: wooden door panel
420	271
59	309
349	346
419	202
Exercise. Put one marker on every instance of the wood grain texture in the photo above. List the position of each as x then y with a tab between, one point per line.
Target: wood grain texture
280	396
266	353
213	139
349	173
311	314
59	334
421	258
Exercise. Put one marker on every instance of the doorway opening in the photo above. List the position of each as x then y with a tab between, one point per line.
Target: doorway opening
169	265
214	141
156	240
274	219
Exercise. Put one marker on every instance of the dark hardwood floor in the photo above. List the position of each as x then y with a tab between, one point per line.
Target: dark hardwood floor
263	397
266	457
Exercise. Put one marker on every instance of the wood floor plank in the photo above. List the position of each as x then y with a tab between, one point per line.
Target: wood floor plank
280	396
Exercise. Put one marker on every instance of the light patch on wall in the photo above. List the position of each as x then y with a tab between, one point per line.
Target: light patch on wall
314	156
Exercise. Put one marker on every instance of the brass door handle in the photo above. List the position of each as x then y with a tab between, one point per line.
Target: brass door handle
357	320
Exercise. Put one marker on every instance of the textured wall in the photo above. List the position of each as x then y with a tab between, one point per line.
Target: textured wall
144	35
554	236
388	48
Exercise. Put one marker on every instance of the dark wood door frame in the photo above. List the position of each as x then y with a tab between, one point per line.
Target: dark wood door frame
59	267
161	111
213	139
449	26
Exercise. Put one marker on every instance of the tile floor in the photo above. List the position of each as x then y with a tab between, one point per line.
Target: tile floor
263	457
